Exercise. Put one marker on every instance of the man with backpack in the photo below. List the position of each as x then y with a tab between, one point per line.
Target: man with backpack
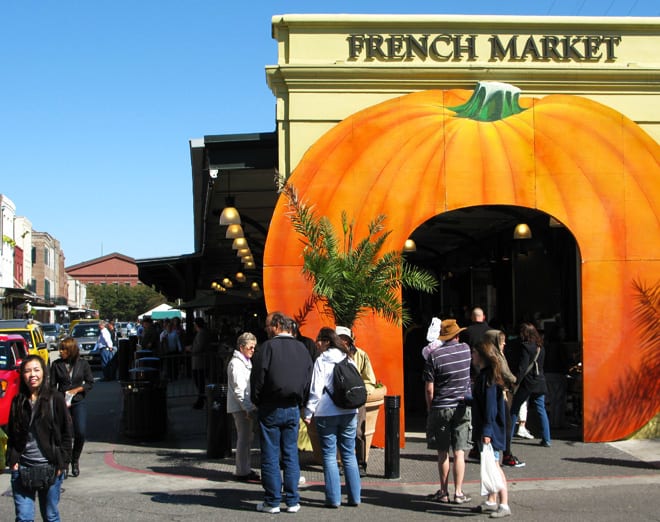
336	392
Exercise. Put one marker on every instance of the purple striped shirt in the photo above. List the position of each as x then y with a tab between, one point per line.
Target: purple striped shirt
448	369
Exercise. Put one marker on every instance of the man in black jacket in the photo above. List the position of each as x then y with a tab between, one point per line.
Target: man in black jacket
279	382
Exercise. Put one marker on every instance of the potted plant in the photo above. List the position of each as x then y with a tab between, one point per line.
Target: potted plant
351	278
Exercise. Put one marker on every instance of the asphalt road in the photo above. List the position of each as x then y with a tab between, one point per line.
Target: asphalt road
172	480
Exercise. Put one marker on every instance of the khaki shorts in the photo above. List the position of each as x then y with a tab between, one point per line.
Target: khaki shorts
449	428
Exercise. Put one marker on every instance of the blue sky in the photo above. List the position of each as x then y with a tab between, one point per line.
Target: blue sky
98	100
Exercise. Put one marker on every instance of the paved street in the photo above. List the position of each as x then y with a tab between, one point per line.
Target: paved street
172	480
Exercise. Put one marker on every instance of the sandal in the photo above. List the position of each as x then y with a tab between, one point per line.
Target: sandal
439	496
462	498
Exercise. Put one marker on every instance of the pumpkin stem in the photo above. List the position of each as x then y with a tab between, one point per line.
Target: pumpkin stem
490	101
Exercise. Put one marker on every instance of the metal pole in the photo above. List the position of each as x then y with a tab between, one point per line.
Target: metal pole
392	436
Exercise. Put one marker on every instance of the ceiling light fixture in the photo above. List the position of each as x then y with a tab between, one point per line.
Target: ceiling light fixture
227	283
240	277
234	231
409	246
522	231
242	252
239	242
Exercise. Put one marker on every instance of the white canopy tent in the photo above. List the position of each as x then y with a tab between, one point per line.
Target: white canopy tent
163	311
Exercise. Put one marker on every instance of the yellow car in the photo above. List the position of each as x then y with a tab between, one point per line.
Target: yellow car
31	332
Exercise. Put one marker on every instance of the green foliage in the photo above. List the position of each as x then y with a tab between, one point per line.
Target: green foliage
350	280
123	302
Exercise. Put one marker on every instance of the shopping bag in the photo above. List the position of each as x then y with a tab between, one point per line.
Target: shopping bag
491	477
3	448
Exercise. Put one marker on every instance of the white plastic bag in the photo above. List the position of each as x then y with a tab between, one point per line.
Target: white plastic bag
491	477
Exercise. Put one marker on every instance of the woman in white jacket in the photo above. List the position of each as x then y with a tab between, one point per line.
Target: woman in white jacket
333	424
240	405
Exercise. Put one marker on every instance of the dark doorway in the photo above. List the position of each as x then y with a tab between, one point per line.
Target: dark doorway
478	262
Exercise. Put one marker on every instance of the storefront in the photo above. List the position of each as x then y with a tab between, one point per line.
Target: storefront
430	119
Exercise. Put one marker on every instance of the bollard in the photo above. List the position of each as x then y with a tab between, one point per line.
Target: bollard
392	436
219	422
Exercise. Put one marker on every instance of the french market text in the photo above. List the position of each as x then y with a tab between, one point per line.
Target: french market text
457	47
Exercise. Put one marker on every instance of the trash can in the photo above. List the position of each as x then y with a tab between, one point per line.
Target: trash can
219	423
144	414
124	359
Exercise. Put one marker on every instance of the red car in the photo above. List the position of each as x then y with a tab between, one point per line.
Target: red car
13	349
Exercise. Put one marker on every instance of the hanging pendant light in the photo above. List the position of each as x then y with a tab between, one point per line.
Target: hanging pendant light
409	246
522	231
234	231
239	242
240	277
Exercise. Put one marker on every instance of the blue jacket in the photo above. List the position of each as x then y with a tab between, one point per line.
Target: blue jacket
488	411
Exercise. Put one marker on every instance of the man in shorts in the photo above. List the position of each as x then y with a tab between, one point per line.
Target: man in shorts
449	422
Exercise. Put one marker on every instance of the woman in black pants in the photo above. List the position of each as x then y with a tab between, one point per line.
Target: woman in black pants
73	378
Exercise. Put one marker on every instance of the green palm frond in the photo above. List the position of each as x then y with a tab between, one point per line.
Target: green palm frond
352	278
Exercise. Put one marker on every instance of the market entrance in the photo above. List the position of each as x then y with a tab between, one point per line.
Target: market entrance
531	276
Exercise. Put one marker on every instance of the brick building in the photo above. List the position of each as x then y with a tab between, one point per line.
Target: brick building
110	269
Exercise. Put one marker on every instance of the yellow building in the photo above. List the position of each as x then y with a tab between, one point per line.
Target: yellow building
334	77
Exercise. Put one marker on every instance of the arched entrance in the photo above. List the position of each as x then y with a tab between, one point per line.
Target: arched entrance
430	152
480	261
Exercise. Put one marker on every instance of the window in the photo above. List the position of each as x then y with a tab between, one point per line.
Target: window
46	289
46	256
34	255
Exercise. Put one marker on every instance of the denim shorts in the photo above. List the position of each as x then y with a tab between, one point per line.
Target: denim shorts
449	428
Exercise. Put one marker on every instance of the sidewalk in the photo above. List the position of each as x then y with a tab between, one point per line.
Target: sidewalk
172	479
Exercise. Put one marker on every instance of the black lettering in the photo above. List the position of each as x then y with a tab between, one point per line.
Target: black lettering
592	48
570	52
610	43
355	46
374	47
549	48
395	47
418	47
469	47
444	39
530	49
499	52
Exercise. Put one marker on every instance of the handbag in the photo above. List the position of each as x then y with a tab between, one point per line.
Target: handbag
491	477
529	369
37	477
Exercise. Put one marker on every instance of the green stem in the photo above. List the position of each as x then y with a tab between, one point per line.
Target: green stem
490	101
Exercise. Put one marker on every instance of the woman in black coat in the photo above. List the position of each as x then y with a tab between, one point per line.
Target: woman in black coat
40	435
73	378
529	373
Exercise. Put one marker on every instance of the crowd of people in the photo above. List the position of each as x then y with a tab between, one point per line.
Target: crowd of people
474	394
475	391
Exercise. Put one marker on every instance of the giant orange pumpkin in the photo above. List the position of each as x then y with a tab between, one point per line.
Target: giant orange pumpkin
430	152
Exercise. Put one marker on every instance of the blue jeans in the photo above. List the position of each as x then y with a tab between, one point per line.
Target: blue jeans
539	403
342	429
279	431
78	413
24	500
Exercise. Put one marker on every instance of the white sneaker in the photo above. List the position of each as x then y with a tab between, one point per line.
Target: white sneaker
524	433
293	509
501	512
301	480
263	508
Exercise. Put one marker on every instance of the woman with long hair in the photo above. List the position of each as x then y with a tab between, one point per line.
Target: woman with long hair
489	421
40	435
72	377
335	426
531	380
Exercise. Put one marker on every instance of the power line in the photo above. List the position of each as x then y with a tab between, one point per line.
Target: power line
610	7
633	7
580	8
552	5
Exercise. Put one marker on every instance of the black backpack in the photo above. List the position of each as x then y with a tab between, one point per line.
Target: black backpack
348	387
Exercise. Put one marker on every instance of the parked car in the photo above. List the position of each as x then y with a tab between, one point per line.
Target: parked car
53	334
86	334
30	331
13	349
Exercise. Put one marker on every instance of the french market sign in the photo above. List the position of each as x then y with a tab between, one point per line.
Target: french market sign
459	47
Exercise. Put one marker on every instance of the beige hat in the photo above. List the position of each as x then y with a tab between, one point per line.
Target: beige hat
449	329
342	330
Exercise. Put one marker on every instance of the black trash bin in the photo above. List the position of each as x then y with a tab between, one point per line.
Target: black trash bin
219	423
144	414
124	358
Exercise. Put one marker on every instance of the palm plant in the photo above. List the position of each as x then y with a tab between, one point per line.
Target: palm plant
351	278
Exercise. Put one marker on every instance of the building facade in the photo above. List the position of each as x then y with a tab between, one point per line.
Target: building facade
110	269
553	119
